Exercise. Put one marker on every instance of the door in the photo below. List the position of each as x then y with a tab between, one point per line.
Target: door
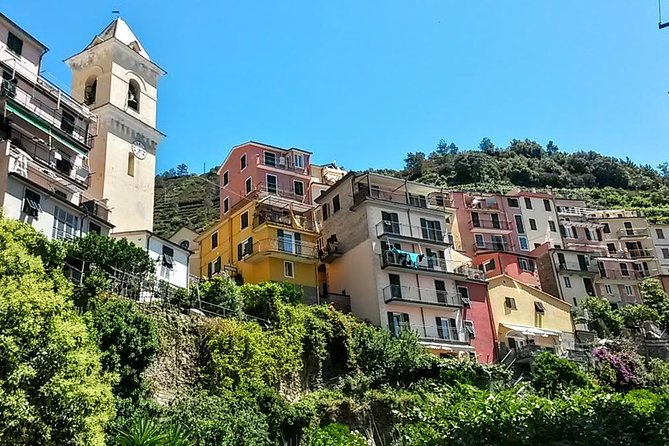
495	221
561	259
440	287
628	228
497	242
476	222
395	287
285	241
589	288
391	222
582	262
446	328
272	187
519	224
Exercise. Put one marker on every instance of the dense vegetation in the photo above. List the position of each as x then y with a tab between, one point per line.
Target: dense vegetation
277	372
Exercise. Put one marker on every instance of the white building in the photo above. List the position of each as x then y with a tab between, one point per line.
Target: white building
187	238
660	235
172	260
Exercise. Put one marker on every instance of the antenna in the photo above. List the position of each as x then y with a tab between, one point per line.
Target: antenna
660	24
117	12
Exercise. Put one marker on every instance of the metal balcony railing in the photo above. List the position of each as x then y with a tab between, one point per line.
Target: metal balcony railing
401	197
285	245
577	267
470	273
620	275
482	204
25	150
389	228
424	263
288	193
65	123
493	246
421	295
282	162
633	232
490	224
441	333
531	350
295	221
640	253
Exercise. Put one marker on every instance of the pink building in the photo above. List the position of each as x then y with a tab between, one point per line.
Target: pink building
521	267
254	166
479	313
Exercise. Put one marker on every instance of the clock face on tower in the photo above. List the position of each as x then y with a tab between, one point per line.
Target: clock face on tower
139	149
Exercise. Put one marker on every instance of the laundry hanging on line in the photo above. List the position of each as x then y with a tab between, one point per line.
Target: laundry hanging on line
410	258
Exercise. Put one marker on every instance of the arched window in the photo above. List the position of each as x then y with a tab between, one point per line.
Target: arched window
133	95
91	91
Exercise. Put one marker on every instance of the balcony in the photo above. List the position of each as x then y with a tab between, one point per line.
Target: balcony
95	207
483	204
640	253
632	232
441	334
619	275
331	250
413	261
393	196
422	296
493	246
398	230
25	154
496	225
283	163
284	218
529	351
60	121
574	267
282	247
470	273
273	190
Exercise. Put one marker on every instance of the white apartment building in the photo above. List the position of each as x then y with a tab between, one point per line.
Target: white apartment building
660	236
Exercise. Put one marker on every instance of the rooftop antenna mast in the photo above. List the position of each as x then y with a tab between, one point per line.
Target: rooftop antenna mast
117	12
660	24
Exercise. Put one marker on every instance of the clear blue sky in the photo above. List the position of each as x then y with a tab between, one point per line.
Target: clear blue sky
365	82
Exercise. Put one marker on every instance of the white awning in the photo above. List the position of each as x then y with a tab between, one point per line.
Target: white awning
447	347
532	331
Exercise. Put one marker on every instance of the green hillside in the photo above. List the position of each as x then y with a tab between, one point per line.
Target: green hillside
603	181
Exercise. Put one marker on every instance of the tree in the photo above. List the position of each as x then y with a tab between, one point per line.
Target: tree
526	148
446	149
551	148
486	146
474	167
552	375
413	165
601	317
182	170
52	388
655	298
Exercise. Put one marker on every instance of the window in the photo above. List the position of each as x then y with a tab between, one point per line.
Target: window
607	289
659	232
398	322
469	329
270	159
133	95
513	202
185	244
226	205
326	211
168	257
533	224
31	204
624	270
65	225
629	290
539	307
551	226
567	282
510	303
431	229
244	220
528	203
480	242
395	287
214	240
14	43
63	164
588	234
94	228
489	266
131	164
606	229
419	201
524	244
226	178
298	160
272	184
248	185
536	245
463	291
447	328
391	222
298	187
288	269
245	248
520	227
67	122
216	265
611	247
547	205
242	162
90	92
335	204
290	242
665	253
526	264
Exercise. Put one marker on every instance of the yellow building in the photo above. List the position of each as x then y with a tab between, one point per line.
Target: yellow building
528	319
264	238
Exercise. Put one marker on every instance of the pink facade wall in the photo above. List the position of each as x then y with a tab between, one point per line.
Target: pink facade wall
506	263
235	190
485	341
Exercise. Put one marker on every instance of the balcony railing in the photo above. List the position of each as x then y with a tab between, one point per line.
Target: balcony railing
275	189
25	150
285	219
421	295
481	204
633	232
284	245
413	200
282	162
640	253
54	116
422	263
619	275
493	246
577	267
531	350
490	224
386	228
470	273
443	333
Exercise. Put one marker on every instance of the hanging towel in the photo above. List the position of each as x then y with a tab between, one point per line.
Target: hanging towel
413	258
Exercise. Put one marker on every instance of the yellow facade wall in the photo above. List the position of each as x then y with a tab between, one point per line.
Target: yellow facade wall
557	313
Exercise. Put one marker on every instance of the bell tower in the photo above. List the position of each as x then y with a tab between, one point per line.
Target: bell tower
116	78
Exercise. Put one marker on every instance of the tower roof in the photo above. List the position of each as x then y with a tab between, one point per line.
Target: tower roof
120	30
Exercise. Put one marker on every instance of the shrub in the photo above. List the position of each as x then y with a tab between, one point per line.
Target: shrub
552	375
334	434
